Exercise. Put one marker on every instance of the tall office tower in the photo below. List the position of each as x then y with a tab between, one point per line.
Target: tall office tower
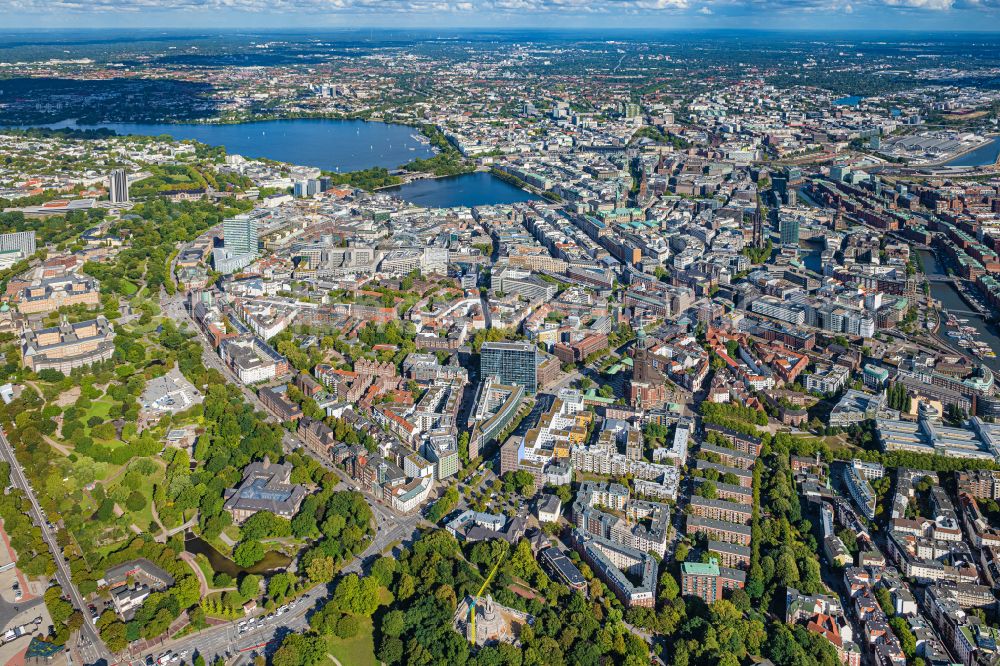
513	362
19	241
788	228
118	186
239	235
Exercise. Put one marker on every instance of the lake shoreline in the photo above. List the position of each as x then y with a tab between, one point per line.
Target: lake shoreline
324	143
476	188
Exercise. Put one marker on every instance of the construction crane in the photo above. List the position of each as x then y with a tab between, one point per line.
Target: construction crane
489	578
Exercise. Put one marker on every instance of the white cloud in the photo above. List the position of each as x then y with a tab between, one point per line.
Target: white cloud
504	7
937	5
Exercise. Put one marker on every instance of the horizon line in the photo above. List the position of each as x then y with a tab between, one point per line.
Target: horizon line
509	28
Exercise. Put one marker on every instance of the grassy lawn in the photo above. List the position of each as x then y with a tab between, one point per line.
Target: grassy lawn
105	550
206	568
221	546
99	407
357	651
839	445
128	288
144	517
147	329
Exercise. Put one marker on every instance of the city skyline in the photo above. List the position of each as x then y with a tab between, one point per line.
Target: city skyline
820	15
397	346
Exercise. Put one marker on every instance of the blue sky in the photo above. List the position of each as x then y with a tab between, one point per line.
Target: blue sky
666	14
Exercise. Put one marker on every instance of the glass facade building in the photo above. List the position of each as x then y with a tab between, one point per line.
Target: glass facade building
513	362
240	235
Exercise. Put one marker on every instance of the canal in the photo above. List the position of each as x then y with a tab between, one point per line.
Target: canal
273	561
949	298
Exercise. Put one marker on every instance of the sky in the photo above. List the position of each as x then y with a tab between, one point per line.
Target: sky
935	15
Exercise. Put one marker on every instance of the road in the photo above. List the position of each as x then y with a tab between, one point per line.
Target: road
390	526
91	648
175	308
387	532
227	640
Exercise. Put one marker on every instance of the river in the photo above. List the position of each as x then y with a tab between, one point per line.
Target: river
950	299
334	145
473	189
985	155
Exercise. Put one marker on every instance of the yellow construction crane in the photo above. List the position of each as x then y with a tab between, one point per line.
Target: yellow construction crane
472	604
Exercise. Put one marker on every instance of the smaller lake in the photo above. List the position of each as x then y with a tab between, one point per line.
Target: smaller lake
334	145
467	190
273	561
850	100
985	155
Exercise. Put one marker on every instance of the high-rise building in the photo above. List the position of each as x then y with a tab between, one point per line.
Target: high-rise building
19	241
788	228
513	362
118	186
240	235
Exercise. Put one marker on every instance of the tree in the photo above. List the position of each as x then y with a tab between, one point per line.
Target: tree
741	600
280	585
299	650
445	504
358	596
668	587
347	627
187	591
248	553
105	511
708	490
391	651
885	601
383	569
264	524
521	482
392	623
113	633
250	586
320	569
907	640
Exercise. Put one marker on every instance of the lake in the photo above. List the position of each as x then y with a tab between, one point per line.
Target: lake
273	561
468	190
334	145
850	100
985	155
